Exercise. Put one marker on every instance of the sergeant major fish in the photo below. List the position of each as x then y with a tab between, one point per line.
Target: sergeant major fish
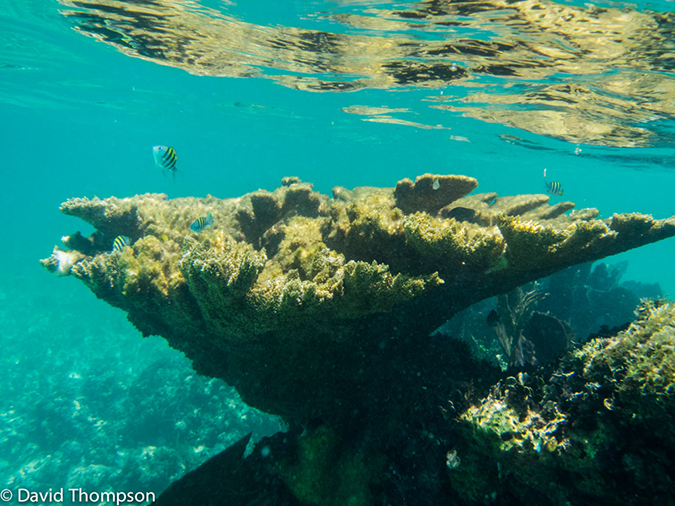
202	223
120	242
165	159
554	188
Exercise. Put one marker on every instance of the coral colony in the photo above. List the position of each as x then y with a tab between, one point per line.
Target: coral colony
323	310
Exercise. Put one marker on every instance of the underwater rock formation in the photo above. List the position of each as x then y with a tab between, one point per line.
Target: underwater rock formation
595	430
293	277
527	336
542	319
320	310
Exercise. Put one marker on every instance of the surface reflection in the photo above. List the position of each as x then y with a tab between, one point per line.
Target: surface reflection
589	75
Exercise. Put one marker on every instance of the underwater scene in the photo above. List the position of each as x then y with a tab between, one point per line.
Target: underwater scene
337	253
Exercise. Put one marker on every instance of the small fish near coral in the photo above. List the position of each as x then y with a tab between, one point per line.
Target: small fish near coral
202	223
554	188
120	242
165	159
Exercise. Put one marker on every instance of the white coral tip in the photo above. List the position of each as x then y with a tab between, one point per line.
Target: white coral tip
65	261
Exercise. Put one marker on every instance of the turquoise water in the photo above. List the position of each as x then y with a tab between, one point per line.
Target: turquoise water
79	115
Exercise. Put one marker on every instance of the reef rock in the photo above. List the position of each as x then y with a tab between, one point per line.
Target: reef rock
291	295
323	310
596	430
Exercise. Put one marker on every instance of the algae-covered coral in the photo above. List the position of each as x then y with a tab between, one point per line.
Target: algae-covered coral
322	310
590	429
595	430
294	277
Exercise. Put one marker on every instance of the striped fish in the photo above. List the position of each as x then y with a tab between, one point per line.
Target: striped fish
165	159
201	223
120	242
554	188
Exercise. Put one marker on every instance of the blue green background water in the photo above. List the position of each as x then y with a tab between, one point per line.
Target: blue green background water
78	118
